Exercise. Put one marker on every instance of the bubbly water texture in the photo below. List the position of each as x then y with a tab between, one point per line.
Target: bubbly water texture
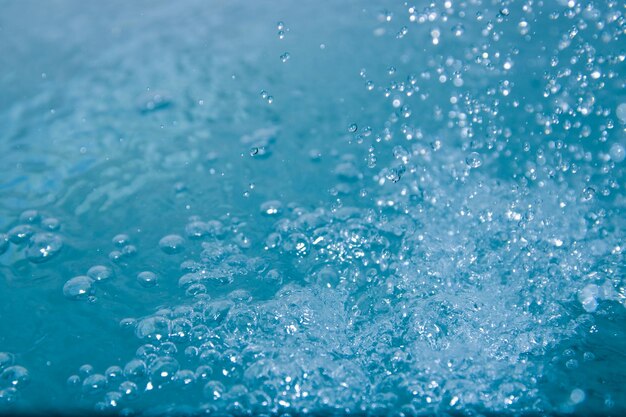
322	206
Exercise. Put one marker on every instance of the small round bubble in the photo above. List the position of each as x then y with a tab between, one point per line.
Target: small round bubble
172	244
78	288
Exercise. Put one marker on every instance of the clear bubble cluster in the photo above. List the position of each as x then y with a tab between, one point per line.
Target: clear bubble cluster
460	250
13	378
34	236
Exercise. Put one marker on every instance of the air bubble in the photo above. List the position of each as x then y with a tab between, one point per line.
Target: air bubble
163	369
6	359
43	246
172	244
617	153
21	233
94	384
474	160
4	243
30	216
15	376
135	369
78	288
51	224
147	279
352	128
121	240
285	57
100	273
620	112
271	208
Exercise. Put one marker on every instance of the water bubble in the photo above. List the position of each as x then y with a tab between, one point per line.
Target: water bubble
147	279
285	57
617	152
4	243
94	384
458	30
6	359
20	233
100	273
474	160
172	244
43	246
85	370
196	230
73	381
112	399
113	374
78	288
184	378
50	223
115	256
163	369
8	396
121	240
135	369
620	112
15	375
214	390
129	389
271	208
153	101
128	251
577	396
30	216
588	193
352	128
156	328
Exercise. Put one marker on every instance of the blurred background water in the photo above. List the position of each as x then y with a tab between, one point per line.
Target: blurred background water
328	207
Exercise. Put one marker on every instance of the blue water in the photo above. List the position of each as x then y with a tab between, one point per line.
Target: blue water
326	207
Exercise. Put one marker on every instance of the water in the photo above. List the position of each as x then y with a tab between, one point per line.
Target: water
329	207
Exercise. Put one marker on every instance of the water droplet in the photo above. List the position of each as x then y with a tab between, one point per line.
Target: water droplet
78	288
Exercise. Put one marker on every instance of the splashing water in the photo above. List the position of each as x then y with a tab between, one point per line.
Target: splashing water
424	216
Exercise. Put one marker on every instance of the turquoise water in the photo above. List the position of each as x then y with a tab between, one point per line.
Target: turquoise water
324	207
